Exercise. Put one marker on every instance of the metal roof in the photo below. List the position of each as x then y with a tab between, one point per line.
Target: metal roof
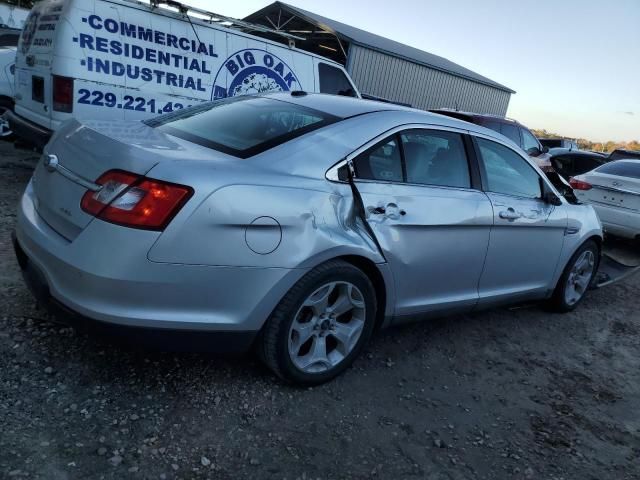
385	45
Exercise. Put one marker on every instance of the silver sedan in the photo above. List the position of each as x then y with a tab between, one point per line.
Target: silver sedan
297	224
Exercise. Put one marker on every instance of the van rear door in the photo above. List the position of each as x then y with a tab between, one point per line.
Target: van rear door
33	80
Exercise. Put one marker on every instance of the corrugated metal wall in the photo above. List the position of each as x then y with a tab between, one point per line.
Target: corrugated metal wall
399	80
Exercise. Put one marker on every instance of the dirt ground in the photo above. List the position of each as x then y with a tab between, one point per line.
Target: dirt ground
513	393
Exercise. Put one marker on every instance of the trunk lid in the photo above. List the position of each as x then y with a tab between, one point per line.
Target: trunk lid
614	191
83	152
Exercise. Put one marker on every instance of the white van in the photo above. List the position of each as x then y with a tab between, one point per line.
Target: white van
124	59
7	68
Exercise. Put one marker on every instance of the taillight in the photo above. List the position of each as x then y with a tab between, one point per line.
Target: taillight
579	184
62	94
134	201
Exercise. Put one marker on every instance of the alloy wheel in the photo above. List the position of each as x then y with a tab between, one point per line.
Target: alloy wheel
580	277
327	327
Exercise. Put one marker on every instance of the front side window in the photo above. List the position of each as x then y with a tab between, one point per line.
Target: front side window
243	126
382	162
435	158
530	143
333	81
511	132
507	172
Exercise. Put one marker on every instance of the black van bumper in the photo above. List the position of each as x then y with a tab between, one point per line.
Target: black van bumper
28	131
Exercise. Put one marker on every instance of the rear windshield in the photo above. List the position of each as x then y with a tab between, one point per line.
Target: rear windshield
621	168
243	126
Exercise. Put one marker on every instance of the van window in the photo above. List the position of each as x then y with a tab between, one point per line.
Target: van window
334	81
242	126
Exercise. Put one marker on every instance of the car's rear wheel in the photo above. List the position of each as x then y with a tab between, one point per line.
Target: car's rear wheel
577	278
321	325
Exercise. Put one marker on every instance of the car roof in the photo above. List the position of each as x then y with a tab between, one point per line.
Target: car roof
346	107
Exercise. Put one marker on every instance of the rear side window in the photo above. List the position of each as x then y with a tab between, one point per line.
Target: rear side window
424	157
511	132
435	158
243	126
621	168
382	162
507	172
334	81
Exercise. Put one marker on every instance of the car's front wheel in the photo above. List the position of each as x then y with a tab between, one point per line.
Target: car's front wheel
321	325
577	277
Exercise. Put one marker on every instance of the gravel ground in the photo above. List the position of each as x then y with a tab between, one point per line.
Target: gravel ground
512	393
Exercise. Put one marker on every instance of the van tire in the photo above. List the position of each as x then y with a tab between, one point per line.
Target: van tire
6	104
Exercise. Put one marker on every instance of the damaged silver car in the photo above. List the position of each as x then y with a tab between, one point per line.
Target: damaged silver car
295	223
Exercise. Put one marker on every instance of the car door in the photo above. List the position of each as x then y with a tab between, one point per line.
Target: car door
528	233
428	215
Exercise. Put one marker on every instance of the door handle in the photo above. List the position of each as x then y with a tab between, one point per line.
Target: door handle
509	214
390	211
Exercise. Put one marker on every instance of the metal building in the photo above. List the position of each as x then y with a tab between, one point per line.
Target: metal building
386	69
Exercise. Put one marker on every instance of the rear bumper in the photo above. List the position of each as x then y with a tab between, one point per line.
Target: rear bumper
165	339
104	275
617	221
27	130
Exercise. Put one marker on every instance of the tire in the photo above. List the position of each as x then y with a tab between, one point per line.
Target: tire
5	134
298	314
562	300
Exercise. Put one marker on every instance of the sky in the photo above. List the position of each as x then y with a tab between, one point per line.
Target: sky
575	64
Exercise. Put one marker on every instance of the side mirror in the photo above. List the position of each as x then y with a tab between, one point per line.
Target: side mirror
545	149
534	152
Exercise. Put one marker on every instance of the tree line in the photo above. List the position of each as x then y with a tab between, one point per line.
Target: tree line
585	144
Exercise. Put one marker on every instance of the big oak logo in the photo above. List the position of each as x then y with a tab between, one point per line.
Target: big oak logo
252	71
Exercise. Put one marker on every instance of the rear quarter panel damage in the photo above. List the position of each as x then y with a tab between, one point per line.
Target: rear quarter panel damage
315	225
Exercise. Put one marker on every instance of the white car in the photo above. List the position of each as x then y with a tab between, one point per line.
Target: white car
7	68
614	191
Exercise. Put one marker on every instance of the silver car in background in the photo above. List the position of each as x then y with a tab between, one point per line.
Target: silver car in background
295	223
